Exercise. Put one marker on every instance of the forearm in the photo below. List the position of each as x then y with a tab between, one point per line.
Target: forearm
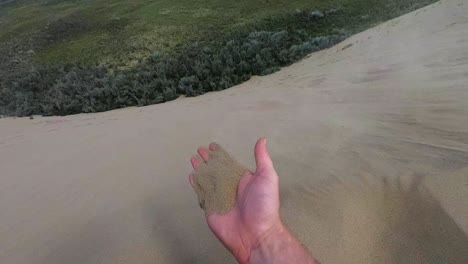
280	247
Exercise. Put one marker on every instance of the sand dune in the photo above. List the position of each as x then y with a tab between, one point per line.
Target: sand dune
112	187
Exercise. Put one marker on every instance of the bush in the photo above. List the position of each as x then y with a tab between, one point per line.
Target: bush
195	69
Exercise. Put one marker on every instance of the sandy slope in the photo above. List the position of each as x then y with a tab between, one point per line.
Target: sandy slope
112	187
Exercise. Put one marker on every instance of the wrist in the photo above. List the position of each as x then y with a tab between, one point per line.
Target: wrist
275	233
279	246
268	242
253	245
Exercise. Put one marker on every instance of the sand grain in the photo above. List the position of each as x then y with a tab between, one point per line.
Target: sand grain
216	181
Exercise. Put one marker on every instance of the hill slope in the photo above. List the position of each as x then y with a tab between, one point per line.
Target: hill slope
112	187
67	57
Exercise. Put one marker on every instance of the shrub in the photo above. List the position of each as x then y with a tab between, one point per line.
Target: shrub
193	70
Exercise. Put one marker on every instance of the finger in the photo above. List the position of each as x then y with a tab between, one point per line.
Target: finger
195	160
262	157
191	179
213	146
204	153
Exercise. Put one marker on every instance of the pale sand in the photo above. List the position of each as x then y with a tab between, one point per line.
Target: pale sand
216	180
113	188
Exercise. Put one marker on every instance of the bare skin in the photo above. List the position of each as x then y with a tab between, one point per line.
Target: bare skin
253	231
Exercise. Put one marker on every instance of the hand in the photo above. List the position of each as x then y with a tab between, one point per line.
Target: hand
252	231
256	213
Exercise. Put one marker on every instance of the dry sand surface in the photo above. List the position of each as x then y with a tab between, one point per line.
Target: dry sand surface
112	187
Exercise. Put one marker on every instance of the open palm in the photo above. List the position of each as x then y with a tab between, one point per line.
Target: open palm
256	212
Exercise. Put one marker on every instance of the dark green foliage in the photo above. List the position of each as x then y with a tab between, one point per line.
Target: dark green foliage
4	3
191	70
63	28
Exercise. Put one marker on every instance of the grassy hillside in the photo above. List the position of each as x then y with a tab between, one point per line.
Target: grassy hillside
71	56
119	31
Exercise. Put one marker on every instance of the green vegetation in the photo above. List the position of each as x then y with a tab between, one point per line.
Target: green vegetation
67	57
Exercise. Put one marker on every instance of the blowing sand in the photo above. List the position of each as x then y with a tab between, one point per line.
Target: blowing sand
375	219
215	181
112	187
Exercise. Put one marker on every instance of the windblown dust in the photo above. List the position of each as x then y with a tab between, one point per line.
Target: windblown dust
373	219
370	219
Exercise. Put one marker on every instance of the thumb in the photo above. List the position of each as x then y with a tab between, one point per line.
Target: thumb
262	157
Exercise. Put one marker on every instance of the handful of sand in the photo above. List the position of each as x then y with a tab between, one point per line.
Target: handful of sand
216	180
